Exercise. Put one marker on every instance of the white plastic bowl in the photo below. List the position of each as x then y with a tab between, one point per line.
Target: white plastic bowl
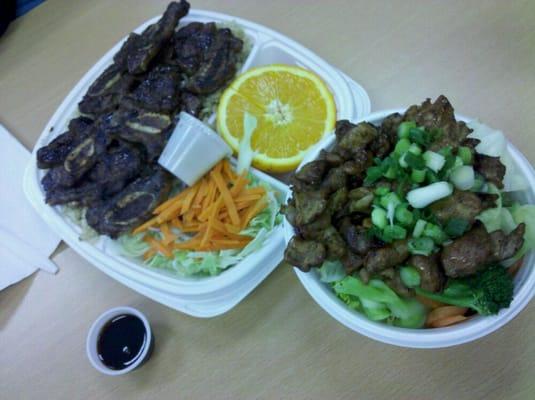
464	332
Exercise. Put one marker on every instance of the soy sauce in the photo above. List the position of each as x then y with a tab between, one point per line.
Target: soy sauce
121	341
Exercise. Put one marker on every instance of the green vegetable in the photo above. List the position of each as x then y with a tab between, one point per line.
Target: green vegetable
463	177
376	298
390	173
419	228
415	161
379	218
409	276
390	198
434	161
434	232
431	176
525	214
421	246
418	175
394	232
486	292
415	149
465	153
403	215
373	174
423	196
404	128
331	271
402	146
381	191
455	227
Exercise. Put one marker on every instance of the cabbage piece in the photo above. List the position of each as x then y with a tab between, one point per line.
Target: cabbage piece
526	214
493	143
331	271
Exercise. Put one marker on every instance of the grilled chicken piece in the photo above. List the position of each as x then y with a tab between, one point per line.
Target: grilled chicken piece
386	257
304	254
130	207
474	250
491	168
431	275
463	205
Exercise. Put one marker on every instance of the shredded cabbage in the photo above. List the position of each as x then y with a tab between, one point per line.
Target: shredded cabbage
331	271
210	263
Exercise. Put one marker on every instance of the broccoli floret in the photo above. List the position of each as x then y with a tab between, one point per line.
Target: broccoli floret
487	292
379	302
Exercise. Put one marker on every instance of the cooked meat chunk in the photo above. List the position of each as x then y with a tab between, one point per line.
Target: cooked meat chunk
191	104
86	194
332	159
309	206
506	246
218	65
389	256
151	129
56	151
357	137
116	168
313	172
471	143
474	250
141	49
191	43
105	94
491	168
290	212
336	179
360	200
304	254
463	205
130	207
362	159
397	285
159	92
431	276
439	116
389	127
337	201
352	262
57	177
336	247
120	59
314	230
356	238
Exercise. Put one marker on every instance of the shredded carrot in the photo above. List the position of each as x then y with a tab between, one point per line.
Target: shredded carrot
214	211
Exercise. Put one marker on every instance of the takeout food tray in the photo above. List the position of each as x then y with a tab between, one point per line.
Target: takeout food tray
207	296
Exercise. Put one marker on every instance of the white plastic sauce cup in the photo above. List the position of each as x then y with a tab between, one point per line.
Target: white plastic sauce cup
192	150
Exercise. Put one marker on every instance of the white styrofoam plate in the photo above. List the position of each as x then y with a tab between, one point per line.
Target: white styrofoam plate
207	296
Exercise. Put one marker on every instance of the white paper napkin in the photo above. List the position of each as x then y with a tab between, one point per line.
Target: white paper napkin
26	242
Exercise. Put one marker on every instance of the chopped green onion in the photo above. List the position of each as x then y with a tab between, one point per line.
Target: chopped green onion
379	217
414	161
445	151
435	232
479	183
405	127
390	210
418	135
463	177
421	246
465	153
455	227
422	197
390	173
434	161
415	149
403	215
382	190
409	276
418	175
390	198
394	232
402	146
373	174
419	228
431	176
402	161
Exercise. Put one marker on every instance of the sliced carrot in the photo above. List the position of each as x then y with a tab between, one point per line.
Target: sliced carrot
253	211
142	228
233	229
239	184
444	312
149	254
170	201
447	321
158	246
227	197
168	236
429	303
227	170
169	212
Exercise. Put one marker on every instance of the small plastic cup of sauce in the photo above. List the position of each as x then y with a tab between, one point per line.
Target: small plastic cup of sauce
119	341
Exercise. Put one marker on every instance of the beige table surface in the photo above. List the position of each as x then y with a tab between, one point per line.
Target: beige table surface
277	343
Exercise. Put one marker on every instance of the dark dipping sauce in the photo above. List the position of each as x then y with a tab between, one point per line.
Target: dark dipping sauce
121	341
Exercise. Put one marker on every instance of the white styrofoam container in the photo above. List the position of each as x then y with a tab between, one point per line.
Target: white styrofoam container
464	332
207	296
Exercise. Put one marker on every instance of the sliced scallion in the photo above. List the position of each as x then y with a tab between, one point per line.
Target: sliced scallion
422	197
